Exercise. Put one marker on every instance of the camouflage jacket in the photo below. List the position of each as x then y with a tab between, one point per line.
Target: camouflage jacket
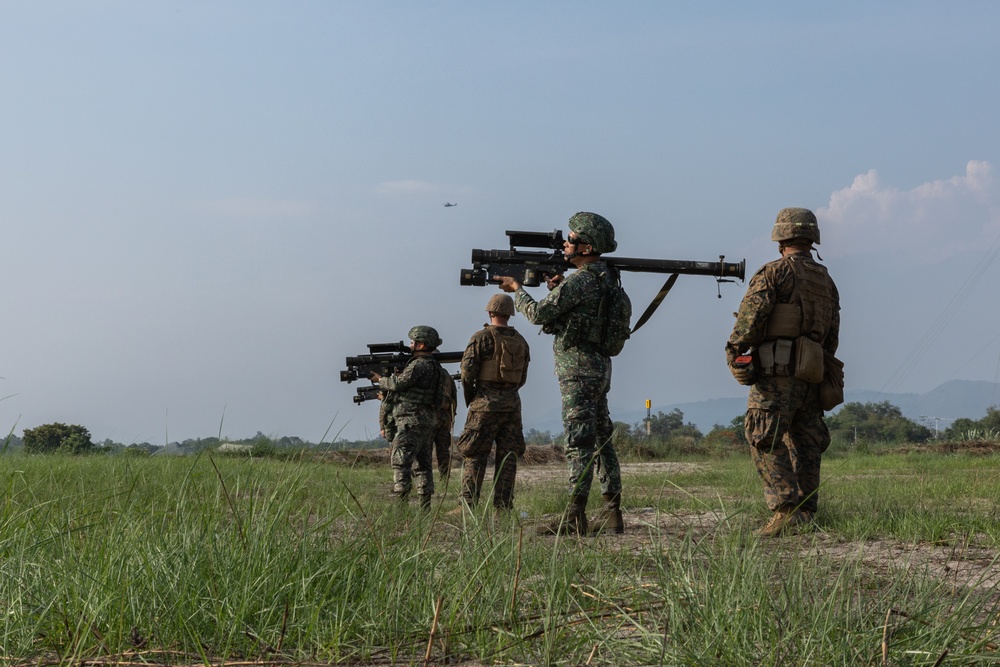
416	392
490	396
569	312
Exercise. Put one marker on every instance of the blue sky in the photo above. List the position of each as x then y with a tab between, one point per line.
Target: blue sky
207	206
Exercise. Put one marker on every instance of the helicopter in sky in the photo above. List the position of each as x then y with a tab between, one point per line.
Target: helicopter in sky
447	204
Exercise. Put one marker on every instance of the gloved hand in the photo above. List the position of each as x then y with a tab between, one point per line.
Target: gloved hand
745	374
741	367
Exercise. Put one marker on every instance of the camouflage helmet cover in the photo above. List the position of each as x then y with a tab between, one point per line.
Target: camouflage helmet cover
795	223
595	230
501	304
426	335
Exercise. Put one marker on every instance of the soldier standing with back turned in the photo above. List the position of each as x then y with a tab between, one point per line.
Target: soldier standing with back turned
789	318
572	312
494	368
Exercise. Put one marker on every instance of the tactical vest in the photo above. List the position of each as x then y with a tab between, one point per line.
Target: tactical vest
793	339
430	394
809	310
506	366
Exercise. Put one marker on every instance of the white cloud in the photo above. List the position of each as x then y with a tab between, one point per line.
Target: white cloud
932	221
257	209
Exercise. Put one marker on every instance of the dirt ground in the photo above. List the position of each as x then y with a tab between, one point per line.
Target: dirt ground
956	562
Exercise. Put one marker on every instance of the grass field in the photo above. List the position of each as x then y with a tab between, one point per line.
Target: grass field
209	560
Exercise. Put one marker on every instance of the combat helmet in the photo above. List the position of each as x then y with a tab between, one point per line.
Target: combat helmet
595	230
501	304
426	335
795	223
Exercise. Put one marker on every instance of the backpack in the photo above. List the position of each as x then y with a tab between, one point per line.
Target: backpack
616	313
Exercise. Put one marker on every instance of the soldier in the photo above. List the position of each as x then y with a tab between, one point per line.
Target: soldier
789	319
416	394
494	368
446	424
572	312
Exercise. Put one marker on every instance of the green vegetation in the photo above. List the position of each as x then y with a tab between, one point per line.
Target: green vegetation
69	439
987	428
200	559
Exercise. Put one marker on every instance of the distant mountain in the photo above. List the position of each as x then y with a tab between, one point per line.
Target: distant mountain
943	404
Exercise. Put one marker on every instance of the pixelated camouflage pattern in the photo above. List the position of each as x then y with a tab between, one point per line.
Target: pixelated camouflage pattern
487	395
417	390
787	435
584	376
412	448
445	423
595	230
425	334
570	312
386	424
482	430
588	427
784	421
416	396
774	283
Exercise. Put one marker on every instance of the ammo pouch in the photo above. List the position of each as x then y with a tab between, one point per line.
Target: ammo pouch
831	389
808	360
775	357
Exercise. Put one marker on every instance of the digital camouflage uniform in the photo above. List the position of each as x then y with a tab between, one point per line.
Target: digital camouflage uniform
446	423
415	395
570	313
494	417
784	421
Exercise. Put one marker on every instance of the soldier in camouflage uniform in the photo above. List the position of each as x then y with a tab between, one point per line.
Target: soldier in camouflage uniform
446	424
494	368
415	395
571	312
789	319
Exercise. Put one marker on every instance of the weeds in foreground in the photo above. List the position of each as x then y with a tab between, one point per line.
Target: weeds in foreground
200	561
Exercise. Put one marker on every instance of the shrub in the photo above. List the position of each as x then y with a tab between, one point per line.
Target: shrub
69	439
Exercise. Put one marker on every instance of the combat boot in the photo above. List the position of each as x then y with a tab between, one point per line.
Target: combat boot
610	517
425	501
572	522
783	520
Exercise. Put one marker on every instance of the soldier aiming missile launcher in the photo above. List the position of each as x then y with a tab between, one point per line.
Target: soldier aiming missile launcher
384	359
531	267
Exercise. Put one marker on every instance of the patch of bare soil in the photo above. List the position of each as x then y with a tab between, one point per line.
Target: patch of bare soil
969	447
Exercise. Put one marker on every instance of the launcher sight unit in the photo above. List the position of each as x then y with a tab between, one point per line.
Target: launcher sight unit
386	359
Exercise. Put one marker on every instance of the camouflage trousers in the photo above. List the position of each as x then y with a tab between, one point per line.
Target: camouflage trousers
482	430
411	447
588	427
787	435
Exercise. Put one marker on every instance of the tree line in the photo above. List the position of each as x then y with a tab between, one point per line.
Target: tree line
661	435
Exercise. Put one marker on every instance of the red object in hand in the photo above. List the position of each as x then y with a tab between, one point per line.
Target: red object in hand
743	360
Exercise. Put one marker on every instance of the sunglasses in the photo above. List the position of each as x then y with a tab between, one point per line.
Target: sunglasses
575	240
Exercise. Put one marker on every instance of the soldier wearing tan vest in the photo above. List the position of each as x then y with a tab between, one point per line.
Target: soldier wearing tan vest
494	368
786	333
